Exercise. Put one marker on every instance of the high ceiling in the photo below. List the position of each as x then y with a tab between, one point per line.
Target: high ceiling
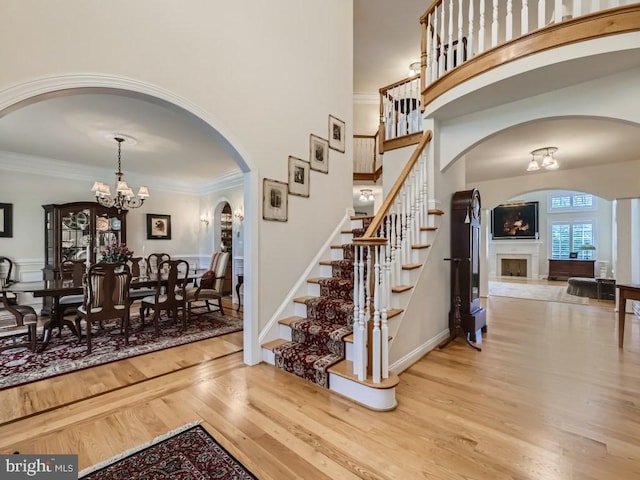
78	129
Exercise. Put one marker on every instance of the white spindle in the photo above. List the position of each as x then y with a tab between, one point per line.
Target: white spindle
384	333
428	74
441	57
524	17
460	49
509	21
481	28
398	232
470	43
357	341
595	6
494	24
577	9
376	347
449	48
557	11
362	352
541	13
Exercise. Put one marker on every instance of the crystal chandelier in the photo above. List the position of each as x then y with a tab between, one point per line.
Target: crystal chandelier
366	195
124	198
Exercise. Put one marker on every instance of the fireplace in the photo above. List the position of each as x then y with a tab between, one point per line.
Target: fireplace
527	250
513	267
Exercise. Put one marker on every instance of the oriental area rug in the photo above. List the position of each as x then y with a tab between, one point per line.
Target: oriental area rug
548	293
19	365
189	454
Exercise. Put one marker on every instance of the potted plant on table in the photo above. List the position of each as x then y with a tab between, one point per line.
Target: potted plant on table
116	252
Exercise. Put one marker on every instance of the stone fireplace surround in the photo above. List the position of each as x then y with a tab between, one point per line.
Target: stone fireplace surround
515	249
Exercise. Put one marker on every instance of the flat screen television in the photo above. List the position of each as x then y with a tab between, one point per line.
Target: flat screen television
515	221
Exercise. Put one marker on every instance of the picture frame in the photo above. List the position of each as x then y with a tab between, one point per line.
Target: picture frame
336	134
299	175
319	153
158	226
6	220
275	204
515	221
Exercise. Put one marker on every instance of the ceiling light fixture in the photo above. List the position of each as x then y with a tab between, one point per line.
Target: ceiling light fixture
124	198
414	69
366	195
547	160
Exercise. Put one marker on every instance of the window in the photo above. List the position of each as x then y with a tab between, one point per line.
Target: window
571	202
572	236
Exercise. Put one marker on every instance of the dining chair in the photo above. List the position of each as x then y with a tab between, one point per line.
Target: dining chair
106	297
71	271
154	260
210	287
17	320
170	293
6	268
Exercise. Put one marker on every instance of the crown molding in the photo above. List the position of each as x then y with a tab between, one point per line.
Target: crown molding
363	98
34	165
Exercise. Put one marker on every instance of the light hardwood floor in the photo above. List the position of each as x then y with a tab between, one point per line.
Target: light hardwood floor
550	397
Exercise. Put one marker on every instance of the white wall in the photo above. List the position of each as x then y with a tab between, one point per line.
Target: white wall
265	75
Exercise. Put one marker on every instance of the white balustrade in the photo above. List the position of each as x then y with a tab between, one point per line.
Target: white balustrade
451	38
378	261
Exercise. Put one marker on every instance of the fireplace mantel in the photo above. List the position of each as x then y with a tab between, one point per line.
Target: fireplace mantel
515	249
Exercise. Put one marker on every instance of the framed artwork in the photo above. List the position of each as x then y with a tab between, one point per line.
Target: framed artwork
319	154
274	200
6	219
336	134
299	177
515	221
158	227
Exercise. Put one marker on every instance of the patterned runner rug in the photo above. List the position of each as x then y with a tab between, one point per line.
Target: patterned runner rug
64	354
192	453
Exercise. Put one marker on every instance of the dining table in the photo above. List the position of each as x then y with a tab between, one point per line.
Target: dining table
58	288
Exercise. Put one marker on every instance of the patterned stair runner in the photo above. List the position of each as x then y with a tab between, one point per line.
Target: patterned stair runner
317	340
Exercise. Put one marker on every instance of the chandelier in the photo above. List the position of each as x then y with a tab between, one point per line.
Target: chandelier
124	199
548	162
366	195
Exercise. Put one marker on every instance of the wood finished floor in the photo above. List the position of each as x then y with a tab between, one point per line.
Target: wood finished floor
550	397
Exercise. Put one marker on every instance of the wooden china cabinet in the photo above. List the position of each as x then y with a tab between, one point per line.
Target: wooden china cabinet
73	231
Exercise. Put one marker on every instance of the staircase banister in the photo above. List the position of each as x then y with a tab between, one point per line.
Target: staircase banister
369	235
434	5
398	83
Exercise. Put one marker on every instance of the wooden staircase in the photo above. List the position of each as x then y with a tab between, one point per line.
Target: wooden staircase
341	378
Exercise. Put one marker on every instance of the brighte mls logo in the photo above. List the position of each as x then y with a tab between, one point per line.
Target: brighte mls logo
50	467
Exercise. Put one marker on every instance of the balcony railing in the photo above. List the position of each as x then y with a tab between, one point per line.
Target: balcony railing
455	32
400	113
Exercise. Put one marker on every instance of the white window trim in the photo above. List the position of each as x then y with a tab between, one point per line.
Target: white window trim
570	193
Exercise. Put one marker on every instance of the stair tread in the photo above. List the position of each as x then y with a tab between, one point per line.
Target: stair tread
273	344
401	288
435	211
344	369
289	320
411	266
393	312
421	246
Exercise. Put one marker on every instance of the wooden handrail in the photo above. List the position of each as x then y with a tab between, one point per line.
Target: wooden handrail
399	82
368	237
434	5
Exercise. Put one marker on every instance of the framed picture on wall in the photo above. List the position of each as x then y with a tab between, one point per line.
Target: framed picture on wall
515	221
298	177
274	200
336	134
319	154
6	219
158	227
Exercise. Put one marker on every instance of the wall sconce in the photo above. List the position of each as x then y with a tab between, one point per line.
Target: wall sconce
204	219
239	214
